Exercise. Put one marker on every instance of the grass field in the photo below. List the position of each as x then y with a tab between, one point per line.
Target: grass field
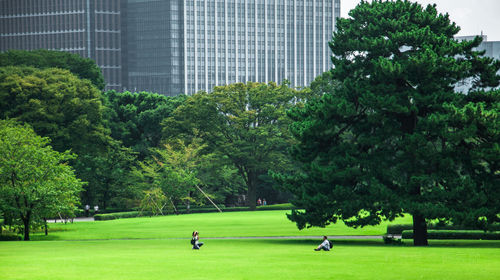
230	224
165	257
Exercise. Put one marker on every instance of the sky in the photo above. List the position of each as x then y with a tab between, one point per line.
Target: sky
473	16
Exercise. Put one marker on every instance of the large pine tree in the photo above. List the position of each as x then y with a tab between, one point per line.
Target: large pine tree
396	136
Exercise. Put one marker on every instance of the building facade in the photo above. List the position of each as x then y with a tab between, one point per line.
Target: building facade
186	46
180	46
90	28
490	48
152	46
228	41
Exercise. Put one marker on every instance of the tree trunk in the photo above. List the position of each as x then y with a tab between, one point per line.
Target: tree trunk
46	230
419	230
252	191
26	222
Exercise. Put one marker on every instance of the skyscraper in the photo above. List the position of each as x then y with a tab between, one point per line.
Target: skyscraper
180	46
90	28
152	46
187	46
227	41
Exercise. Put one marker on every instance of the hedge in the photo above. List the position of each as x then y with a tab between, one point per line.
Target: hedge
456	234
399	228
183	210
119	215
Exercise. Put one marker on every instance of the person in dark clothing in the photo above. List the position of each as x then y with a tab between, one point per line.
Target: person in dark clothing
195	241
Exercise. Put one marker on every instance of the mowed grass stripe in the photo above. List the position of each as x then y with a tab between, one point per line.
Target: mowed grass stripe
230	224
247	259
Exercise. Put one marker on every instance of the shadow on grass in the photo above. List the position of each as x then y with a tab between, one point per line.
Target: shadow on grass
314	242
42	237
380	243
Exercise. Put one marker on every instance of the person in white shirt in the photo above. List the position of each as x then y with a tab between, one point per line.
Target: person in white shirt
325	245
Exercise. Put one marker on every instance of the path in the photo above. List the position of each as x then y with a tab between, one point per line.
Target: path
332	237
81	219
300	237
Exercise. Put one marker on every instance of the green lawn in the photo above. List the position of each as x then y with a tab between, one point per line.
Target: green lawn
259	223
151	248
246	259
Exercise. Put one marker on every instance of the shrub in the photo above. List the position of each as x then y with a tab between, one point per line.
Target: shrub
10	237
391	240
119	215
399	228
183	210
284	206
456	234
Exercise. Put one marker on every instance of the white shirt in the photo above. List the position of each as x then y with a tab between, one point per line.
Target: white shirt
326	244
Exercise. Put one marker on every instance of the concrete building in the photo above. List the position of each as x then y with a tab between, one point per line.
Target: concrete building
89	28
177	46
180	46
491	48
153	46
256	40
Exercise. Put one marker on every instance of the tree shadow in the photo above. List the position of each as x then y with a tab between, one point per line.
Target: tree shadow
380	243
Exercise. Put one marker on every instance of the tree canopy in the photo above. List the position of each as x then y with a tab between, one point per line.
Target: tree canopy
135	118
35	181
84	68
57	104
243	123
66	109
395	136
174	169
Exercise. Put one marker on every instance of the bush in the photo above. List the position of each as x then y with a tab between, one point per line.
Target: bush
10	237
183	210
210	208
391	240
119	215
399	228
456	234
284	206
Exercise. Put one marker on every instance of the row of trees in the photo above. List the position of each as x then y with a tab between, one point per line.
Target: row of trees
128	145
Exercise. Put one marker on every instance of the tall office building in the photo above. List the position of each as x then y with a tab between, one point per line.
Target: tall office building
90	28
190	45
152	46
180	46
227	41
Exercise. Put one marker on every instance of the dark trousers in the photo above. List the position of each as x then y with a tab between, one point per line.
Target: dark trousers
197	245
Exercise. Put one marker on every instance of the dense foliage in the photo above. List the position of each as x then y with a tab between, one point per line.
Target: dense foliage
135	118
57	104
394	135
244	124
84	68
69	111
35	181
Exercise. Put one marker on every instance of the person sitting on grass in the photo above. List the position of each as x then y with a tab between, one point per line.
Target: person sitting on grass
194	241
325	245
